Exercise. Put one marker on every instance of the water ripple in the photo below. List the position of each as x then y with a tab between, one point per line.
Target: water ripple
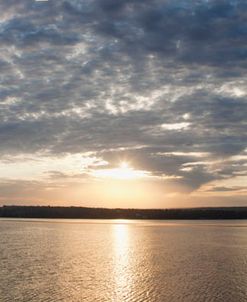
90	262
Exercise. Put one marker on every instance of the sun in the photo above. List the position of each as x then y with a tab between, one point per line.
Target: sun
124	165
122	171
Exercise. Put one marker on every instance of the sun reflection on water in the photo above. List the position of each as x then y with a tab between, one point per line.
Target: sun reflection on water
122	267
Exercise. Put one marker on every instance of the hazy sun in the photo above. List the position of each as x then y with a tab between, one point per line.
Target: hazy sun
123	171
124	165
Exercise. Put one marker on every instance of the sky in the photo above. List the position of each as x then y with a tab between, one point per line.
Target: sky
123	103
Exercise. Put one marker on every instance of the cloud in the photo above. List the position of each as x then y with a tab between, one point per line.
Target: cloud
226	189
152	78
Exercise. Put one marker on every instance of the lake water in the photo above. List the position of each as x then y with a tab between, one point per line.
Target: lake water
114	260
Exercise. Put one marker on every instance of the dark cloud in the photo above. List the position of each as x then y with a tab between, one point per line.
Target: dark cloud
80	76
204	32
226	189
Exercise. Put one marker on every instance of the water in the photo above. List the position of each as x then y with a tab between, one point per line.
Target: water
133	261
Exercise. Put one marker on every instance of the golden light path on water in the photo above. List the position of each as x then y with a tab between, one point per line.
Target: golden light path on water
122	267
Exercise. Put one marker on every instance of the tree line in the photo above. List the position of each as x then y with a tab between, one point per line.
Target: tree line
106	213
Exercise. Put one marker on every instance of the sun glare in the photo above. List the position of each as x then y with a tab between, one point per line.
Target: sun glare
123	171
124	165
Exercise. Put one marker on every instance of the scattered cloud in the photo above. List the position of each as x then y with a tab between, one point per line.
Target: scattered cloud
161	83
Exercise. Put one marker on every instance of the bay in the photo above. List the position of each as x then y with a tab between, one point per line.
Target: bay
122	260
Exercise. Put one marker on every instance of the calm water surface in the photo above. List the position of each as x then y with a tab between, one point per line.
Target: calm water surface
114	260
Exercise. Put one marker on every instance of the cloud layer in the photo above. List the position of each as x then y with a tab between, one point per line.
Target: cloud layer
161	83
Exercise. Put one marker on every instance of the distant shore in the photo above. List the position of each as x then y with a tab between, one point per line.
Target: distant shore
106	213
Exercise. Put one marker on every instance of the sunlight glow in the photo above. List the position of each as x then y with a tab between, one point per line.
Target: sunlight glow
122	268
123	171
